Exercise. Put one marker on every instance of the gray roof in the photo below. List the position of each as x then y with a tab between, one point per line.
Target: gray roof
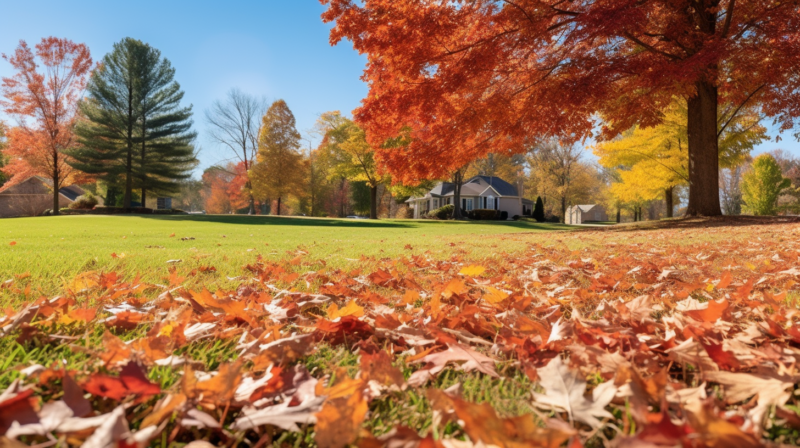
72	192
501	186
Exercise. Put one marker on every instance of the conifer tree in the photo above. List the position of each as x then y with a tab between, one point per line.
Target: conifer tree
538	210
132	131
165	135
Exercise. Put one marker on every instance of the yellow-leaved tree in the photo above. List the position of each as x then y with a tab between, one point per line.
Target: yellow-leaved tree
349	156
280	170
653	161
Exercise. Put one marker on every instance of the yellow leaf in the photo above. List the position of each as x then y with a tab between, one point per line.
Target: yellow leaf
166	330
351	309
710	287
65	319
472	271
455	286
86	280
494	295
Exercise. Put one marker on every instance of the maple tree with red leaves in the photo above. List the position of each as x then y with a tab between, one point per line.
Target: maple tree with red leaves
45	90
452	81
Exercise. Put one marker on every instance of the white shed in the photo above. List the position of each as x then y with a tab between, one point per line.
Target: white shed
579	214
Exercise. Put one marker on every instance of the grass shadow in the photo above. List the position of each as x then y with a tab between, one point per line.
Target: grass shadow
699	223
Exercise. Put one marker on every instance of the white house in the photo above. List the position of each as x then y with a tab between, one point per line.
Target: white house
579	214
479	192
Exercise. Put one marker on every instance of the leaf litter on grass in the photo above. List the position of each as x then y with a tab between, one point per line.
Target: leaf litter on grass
651	344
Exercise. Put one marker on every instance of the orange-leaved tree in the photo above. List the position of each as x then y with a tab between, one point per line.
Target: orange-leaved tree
42	95
461	79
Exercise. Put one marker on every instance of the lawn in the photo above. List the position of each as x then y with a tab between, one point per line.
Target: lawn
399	333
54	250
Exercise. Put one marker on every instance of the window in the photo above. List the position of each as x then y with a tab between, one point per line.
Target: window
467	204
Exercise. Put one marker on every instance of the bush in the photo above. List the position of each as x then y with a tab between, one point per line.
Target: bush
482	214
86	202
503	215
553	218
444	212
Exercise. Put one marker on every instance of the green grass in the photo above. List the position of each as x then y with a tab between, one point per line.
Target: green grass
54	249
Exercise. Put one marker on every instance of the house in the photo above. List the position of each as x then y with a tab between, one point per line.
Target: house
33	196
579	214
479	192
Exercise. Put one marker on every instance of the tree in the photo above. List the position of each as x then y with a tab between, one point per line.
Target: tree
216	186
345	144
45	89
538	210
492	74
656	159
166	152
556	170
730	188
132	125
235	123
280	169
762	186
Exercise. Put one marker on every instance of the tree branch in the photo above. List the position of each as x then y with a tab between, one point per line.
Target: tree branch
730	119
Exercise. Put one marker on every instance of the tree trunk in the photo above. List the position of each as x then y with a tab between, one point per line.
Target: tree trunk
669	200
126	201
56	212
279	206
144	197
563	209
458	179
703	152
252	210
373	202
619	215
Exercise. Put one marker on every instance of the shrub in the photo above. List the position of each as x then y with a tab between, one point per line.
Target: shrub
86	202
553	218
444	212
482	214
762	186
504	216
538	210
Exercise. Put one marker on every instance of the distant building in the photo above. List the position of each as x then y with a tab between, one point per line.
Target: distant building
479	192
33	196
579	214
164	204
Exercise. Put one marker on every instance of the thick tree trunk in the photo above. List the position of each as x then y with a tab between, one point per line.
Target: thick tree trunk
279	206
703	152
619	215
373	202
669	201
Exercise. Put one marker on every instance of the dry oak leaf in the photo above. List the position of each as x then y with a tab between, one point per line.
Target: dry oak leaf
482	424
351	309
712	313
131	381
281	415
494	295
339	421
771	390
116	351
455	286
220	388
472	270
378	367
564	391
164	409
467	358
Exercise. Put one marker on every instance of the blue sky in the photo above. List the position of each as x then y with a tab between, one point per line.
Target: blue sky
278	49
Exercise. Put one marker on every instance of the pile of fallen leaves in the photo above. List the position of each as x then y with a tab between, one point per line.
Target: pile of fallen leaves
625	344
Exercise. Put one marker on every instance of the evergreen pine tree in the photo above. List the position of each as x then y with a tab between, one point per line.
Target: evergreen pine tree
164	138
132	131
538	210
108	117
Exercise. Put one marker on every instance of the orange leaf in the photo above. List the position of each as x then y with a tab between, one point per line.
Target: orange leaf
351	309
714	311
13	243
494	295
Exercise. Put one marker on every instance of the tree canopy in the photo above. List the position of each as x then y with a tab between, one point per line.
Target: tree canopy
460	79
